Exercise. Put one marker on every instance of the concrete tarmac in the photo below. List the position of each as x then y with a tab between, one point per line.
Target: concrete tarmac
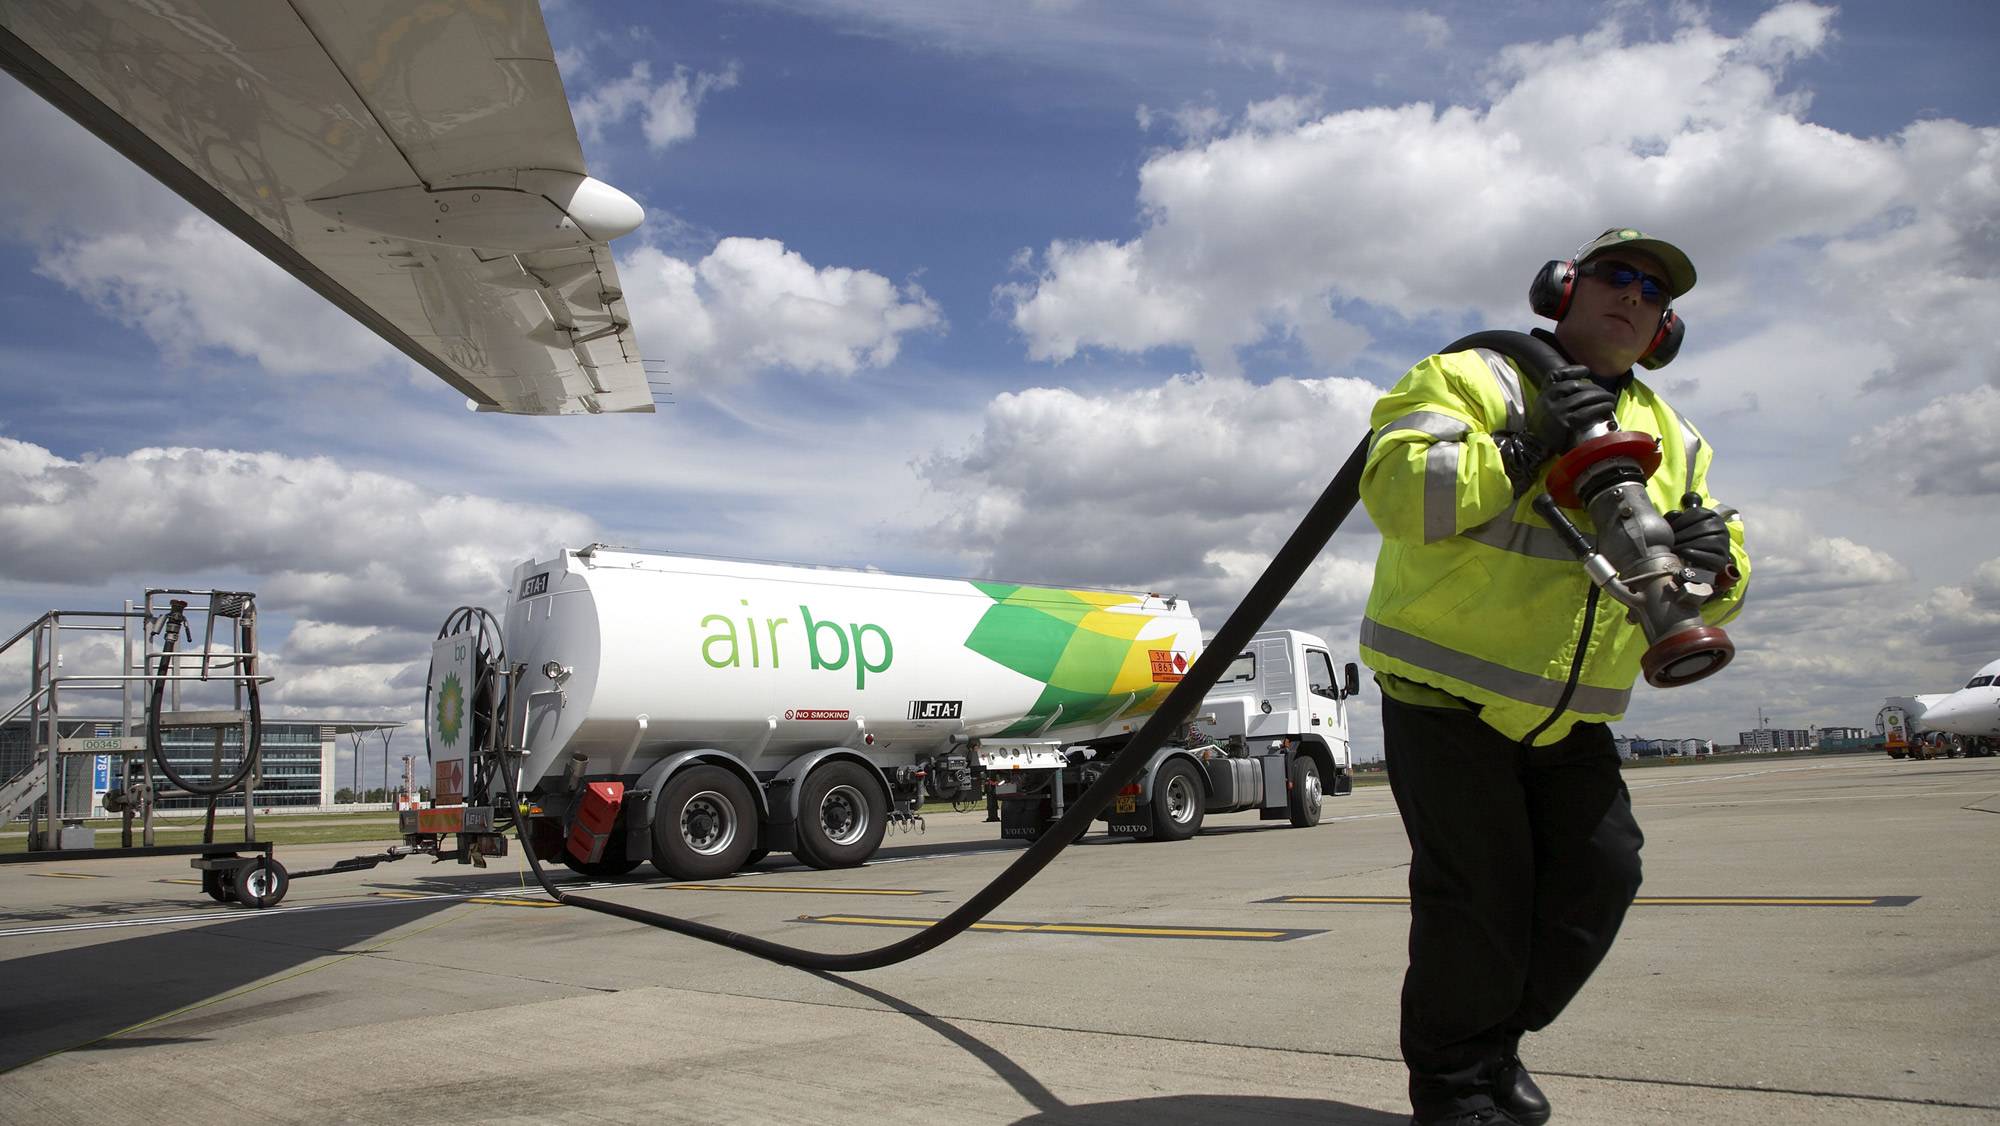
1816	943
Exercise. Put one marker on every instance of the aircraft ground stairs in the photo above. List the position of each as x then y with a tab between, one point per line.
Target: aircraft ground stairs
22	791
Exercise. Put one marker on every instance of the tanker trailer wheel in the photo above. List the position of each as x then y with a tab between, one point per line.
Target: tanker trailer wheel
705	826
842	816
1304	799
1177	802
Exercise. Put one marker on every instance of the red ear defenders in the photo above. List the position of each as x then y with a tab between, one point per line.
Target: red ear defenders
1549	294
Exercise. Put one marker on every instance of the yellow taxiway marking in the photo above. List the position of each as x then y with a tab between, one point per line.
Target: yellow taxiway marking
196	883
1109	930
1660	900
67	875
795	890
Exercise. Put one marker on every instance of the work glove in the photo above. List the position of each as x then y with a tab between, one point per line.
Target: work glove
1570	403
1701	538
1522	455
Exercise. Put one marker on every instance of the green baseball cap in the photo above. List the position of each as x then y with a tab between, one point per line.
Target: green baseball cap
1680	271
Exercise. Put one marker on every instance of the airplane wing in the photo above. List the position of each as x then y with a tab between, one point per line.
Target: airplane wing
416	164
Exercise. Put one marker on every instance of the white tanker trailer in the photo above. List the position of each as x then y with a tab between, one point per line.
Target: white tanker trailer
702	712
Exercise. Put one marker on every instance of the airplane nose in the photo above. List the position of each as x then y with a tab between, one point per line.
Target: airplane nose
1944	711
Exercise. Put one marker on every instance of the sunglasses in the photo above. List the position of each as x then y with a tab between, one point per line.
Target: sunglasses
1618	275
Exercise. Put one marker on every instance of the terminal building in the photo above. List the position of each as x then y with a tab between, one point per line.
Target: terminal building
298	767
1634	747
1777	739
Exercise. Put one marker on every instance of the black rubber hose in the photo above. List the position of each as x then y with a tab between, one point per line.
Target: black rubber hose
1536	357
1284	572
157	748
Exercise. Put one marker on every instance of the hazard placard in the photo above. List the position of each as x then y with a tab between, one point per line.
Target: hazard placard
1169	665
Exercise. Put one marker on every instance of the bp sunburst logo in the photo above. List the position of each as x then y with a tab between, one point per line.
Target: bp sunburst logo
450	710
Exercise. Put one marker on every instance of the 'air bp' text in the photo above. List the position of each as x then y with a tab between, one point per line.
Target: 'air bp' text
764	642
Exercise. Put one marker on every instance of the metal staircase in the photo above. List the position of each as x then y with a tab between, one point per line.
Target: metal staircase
22	790
48	793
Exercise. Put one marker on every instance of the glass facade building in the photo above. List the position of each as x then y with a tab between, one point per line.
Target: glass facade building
296	770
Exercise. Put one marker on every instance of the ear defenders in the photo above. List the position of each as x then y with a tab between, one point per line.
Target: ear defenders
1555	283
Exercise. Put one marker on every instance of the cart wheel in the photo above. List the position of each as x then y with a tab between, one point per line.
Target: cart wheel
212	883
261	882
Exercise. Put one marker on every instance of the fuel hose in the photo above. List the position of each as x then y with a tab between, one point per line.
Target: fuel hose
155	746
1284	572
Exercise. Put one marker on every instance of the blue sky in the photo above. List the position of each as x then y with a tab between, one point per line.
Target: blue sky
1100	294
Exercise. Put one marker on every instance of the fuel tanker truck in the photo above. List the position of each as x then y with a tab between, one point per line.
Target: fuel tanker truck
702	713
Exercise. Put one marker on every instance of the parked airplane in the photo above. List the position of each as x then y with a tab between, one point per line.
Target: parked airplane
415	164
1972	710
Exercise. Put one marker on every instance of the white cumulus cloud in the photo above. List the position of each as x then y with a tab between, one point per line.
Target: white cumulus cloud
237	301
1434	210
1184	487
666	109
752	305
367	564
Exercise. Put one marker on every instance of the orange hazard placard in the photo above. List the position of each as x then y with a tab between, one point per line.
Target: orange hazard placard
441	820
1169	666
449	785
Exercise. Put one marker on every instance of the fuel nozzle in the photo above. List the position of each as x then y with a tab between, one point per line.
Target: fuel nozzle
1633	558
1604	473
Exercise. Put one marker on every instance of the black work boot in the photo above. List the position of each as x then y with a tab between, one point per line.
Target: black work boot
1515	1092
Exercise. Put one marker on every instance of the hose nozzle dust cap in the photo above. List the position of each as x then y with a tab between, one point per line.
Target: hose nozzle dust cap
1687	656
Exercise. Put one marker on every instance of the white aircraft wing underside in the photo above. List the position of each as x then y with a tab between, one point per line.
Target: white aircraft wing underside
416	164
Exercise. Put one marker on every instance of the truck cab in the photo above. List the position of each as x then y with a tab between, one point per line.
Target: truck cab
1283	686
1270	736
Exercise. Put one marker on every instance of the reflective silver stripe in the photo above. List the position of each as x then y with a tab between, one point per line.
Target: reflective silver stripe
1690	446
1441	491
1442	427
1525	687
1727	513
1532	540
1510	387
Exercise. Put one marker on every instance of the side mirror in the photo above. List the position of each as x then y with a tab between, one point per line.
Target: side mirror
1353	679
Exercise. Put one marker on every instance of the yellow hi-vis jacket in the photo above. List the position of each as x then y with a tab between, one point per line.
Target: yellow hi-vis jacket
1474	593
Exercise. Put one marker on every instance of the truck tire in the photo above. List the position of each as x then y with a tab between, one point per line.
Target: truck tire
705	825
842	816
612	863
1178	802
1306	794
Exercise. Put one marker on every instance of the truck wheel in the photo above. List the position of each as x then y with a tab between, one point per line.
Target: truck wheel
260	883
1306	793
756	855
612	863
705	826
842	816
1177	802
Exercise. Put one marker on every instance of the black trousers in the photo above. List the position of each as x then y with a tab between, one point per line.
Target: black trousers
1523	862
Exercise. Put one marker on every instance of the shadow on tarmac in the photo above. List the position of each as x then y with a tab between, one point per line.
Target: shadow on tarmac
1168	1110
76	997
1247	1110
